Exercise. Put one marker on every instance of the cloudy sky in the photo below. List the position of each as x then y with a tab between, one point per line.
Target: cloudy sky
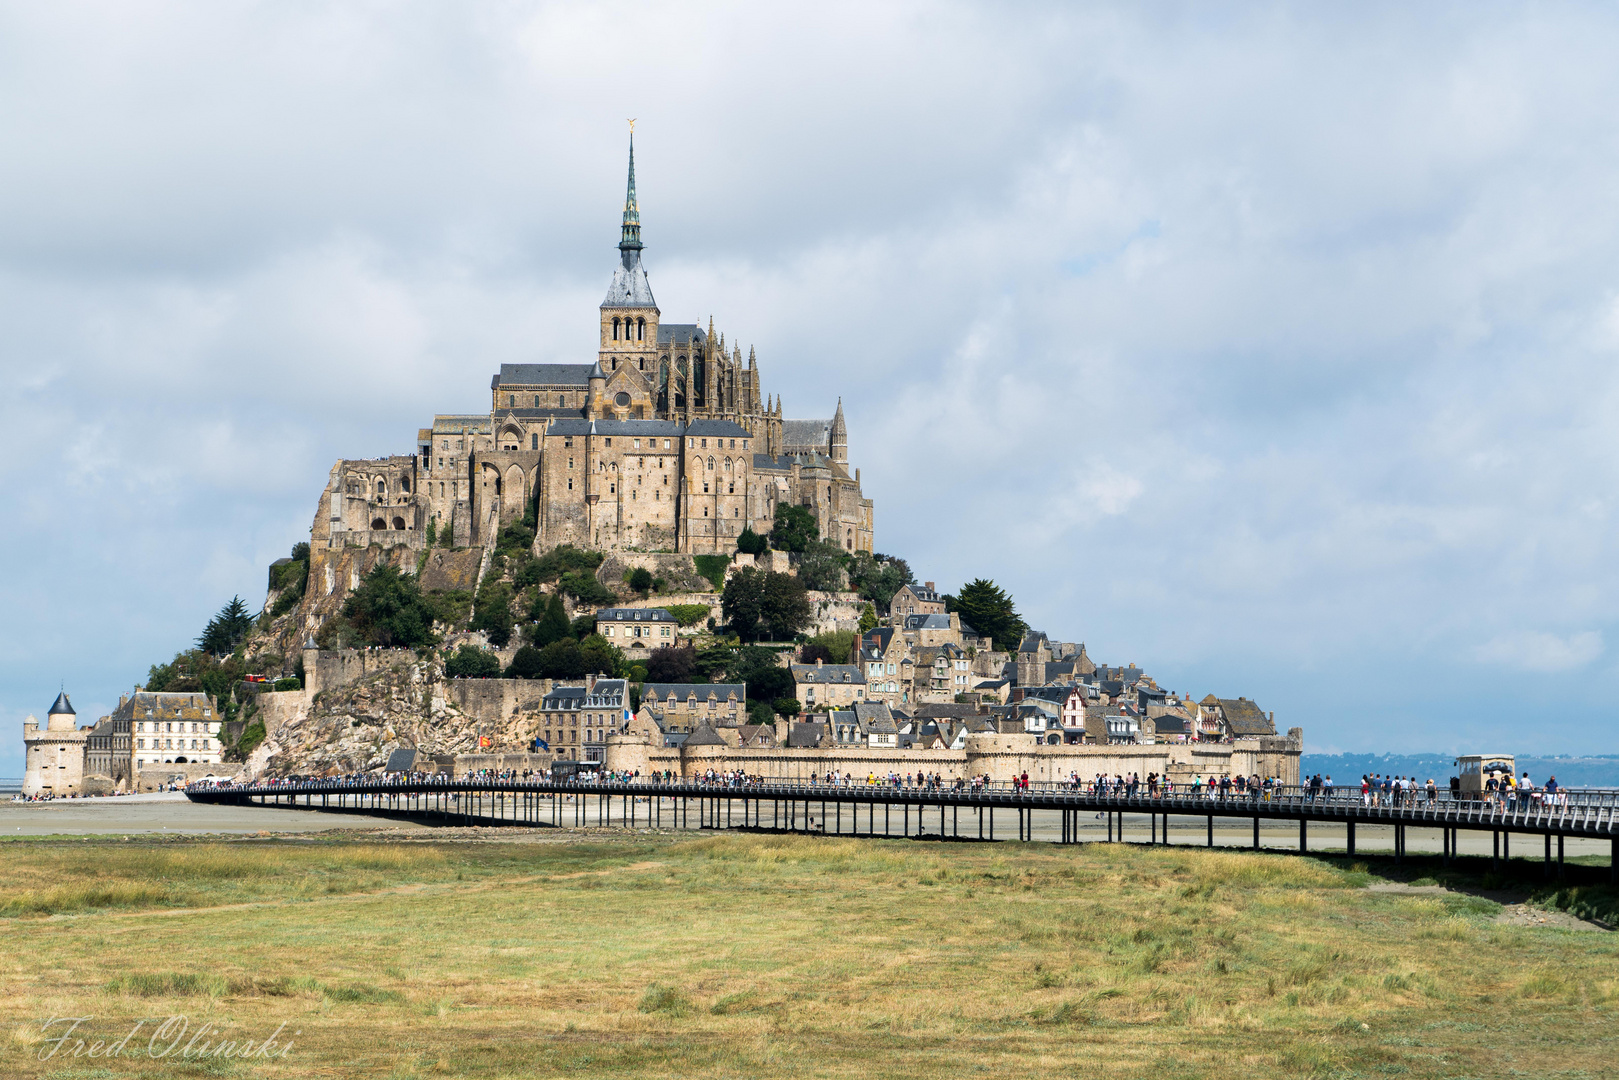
1270	347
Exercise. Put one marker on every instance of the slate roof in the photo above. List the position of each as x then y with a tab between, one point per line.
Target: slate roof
569	375
634	614
1170	724
630	288
1243	717
723	428
162	701
607	694
868	711
1031	641
62	706
806	434
704	736
950	709
664	691
461	425
639	428
828	673
927	622
680	334
806	736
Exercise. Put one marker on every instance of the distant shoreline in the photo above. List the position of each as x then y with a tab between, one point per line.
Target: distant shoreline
1591	770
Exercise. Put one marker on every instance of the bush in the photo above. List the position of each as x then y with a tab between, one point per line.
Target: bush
565	558
583	587
550	620
688	614
834	647
794	528
514	538
389	609
671	664
879	577
641	580
821	567
712	567
751	543
787	706
285	603
528	663
451	607
471	662
493	613
759	712
287	684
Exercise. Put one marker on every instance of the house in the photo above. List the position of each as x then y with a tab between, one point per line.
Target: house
940	673
820	685
685	705
1243	719
576	720
884	657
809	736
881	732
637	629
914	600
938	629
1033	654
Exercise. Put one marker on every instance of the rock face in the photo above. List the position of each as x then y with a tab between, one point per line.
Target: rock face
406	703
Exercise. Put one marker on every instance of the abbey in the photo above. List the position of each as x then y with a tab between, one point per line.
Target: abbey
665	441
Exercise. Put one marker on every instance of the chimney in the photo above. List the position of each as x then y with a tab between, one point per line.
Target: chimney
817	661
928	585
590	683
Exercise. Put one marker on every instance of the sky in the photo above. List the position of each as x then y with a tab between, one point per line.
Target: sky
1270	347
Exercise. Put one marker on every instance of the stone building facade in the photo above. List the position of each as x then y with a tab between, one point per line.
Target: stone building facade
665	441
54	754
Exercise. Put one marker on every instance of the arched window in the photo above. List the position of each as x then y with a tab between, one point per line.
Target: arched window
559	401
642	362
615	329
404	483
640	329
382	487
727	464
399	523
379	524
710	464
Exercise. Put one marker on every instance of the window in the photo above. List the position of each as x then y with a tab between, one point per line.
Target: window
559	401
615	329
705	446
570	463
534	440
536	401
637	444
570	484
665	446
511	400
609	442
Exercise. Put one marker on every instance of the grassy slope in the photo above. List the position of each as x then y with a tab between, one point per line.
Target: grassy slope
752	956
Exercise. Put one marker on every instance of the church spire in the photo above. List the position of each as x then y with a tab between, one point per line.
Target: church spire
631	237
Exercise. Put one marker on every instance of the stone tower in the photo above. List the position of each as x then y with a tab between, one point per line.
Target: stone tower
55	754
840	437
629	315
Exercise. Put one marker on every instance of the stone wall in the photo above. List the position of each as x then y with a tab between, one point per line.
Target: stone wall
1001	757
332	669
157	777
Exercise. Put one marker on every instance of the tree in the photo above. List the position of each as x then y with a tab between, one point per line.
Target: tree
794	528
766	679
784	607
751	543
227	629
641	580
601	657
833	647
741	602
821	567
760	712
471	662
879	577
583	587
671	664
812	652
527	663
988	609
389	609
562	660
550	620
432	532
787	706
582	626
493	613
868	620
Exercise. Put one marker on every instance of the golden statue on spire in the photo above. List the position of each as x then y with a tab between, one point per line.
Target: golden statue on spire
632	125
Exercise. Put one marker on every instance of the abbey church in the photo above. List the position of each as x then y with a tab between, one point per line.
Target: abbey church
665	442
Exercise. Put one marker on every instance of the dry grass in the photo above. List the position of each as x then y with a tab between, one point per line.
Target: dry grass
750	956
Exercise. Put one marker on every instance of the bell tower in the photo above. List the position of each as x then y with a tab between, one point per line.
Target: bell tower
629	315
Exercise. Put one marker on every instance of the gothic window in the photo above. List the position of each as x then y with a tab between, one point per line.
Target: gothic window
511	400
534	441
728	462
382	487
642	362
710	464
615	329
640	329
536	401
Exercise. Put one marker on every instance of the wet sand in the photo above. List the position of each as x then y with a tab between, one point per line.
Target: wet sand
171	812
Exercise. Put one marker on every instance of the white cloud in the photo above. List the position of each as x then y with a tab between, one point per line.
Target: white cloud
1533	650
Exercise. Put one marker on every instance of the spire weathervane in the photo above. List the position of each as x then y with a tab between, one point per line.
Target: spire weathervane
630	238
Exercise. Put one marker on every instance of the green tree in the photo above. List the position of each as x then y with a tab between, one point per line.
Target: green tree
794	528
760	712
562	660
601	657
751	543
492	613
821	567
834	647
766	679
879	577
226	630
527	663
787	706
389	609
784	607
583	587
868	620
432	532
742	601
988	609
641	580
471	662
565	558
671	664
550	620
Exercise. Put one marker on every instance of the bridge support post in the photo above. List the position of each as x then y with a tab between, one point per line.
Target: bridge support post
1350	838
1613	861
1256	832
1495	851
1547	870
1560	871
1211	830
1506	845
1399	844
1304	845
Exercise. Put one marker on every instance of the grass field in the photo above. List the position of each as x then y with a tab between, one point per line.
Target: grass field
756	956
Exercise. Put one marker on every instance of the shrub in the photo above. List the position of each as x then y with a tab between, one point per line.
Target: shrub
583	587
641	580
671	664
550	620
493	613
821	567
712	567
287	684
389	609
794	528
471	662
514	538
564	558
751	543
528	663
787	706
688	614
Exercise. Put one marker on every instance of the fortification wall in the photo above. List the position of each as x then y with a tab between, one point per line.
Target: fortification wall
1001	757
333	669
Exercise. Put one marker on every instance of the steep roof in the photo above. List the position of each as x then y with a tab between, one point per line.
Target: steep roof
634	614
574	376
663	691
828	673
62	706
806	434
704	736
1243	717
680	334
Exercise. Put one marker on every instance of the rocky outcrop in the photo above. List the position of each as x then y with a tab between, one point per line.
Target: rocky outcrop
408	703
